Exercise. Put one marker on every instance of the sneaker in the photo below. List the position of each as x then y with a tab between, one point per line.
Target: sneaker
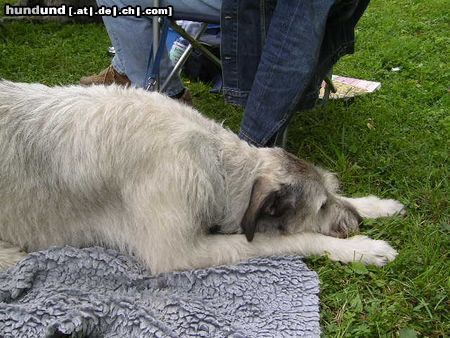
106	77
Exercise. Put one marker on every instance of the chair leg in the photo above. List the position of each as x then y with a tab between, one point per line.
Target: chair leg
281	137
156	28
176	69
329	87
284	137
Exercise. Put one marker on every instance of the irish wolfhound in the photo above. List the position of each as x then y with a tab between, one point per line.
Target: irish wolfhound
147	175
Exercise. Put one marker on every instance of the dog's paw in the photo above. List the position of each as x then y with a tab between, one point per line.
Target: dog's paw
389	207
365	250
374	207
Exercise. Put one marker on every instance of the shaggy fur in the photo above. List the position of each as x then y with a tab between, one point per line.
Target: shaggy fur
143	173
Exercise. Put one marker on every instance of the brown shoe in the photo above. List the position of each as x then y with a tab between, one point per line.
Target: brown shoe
106	77
184	97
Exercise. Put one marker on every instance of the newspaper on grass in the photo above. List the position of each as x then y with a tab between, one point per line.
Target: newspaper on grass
347	87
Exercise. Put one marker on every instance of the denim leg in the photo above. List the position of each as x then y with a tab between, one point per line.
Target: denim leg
132	38
286	67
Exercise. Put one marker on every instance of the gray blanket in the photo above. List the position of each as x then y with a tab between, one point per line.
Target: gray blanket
101	293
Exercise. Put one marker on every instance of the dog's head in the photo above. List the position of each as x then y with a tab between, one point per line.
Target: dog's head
295	196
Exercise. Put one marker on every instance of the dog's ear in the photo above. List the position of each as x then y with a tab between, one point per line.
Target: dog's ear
262	193
266	199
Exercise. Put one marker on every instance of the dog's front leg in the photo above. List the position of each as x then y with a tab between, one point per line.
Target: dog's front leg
225	249
374	207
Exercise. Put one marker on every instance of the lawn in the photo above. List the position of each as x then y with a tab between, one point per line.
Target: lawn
393	143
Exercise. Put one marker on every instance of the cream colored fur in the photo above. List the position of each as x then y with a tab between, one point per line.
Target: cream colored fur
142	173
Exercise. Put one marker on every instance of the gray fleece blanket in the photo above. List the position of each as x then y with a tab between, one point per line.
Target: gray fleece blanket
95	292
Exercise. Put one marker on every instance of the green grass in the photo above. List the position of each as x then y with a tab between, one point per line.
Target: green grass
404	155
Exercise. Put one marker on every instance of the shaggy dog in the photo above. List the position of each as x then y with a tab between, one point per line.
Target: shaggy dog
145	174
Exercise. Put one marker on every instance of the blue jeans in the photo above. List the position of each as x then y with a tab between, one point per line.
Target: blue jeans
132	38
275	54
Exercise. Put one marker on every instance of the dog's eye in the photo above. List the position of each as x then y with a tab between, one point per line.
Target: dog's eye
324	205
273	212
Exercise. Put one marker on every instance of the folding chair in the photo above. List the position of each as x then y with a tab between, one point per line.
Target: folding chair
158	43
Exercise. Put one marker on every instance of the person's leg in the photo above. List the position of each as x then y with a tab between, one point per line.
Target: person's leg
286	67
132	38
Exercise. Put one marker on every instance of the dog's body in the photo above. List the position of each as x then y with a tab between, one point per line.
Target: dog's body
145	174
